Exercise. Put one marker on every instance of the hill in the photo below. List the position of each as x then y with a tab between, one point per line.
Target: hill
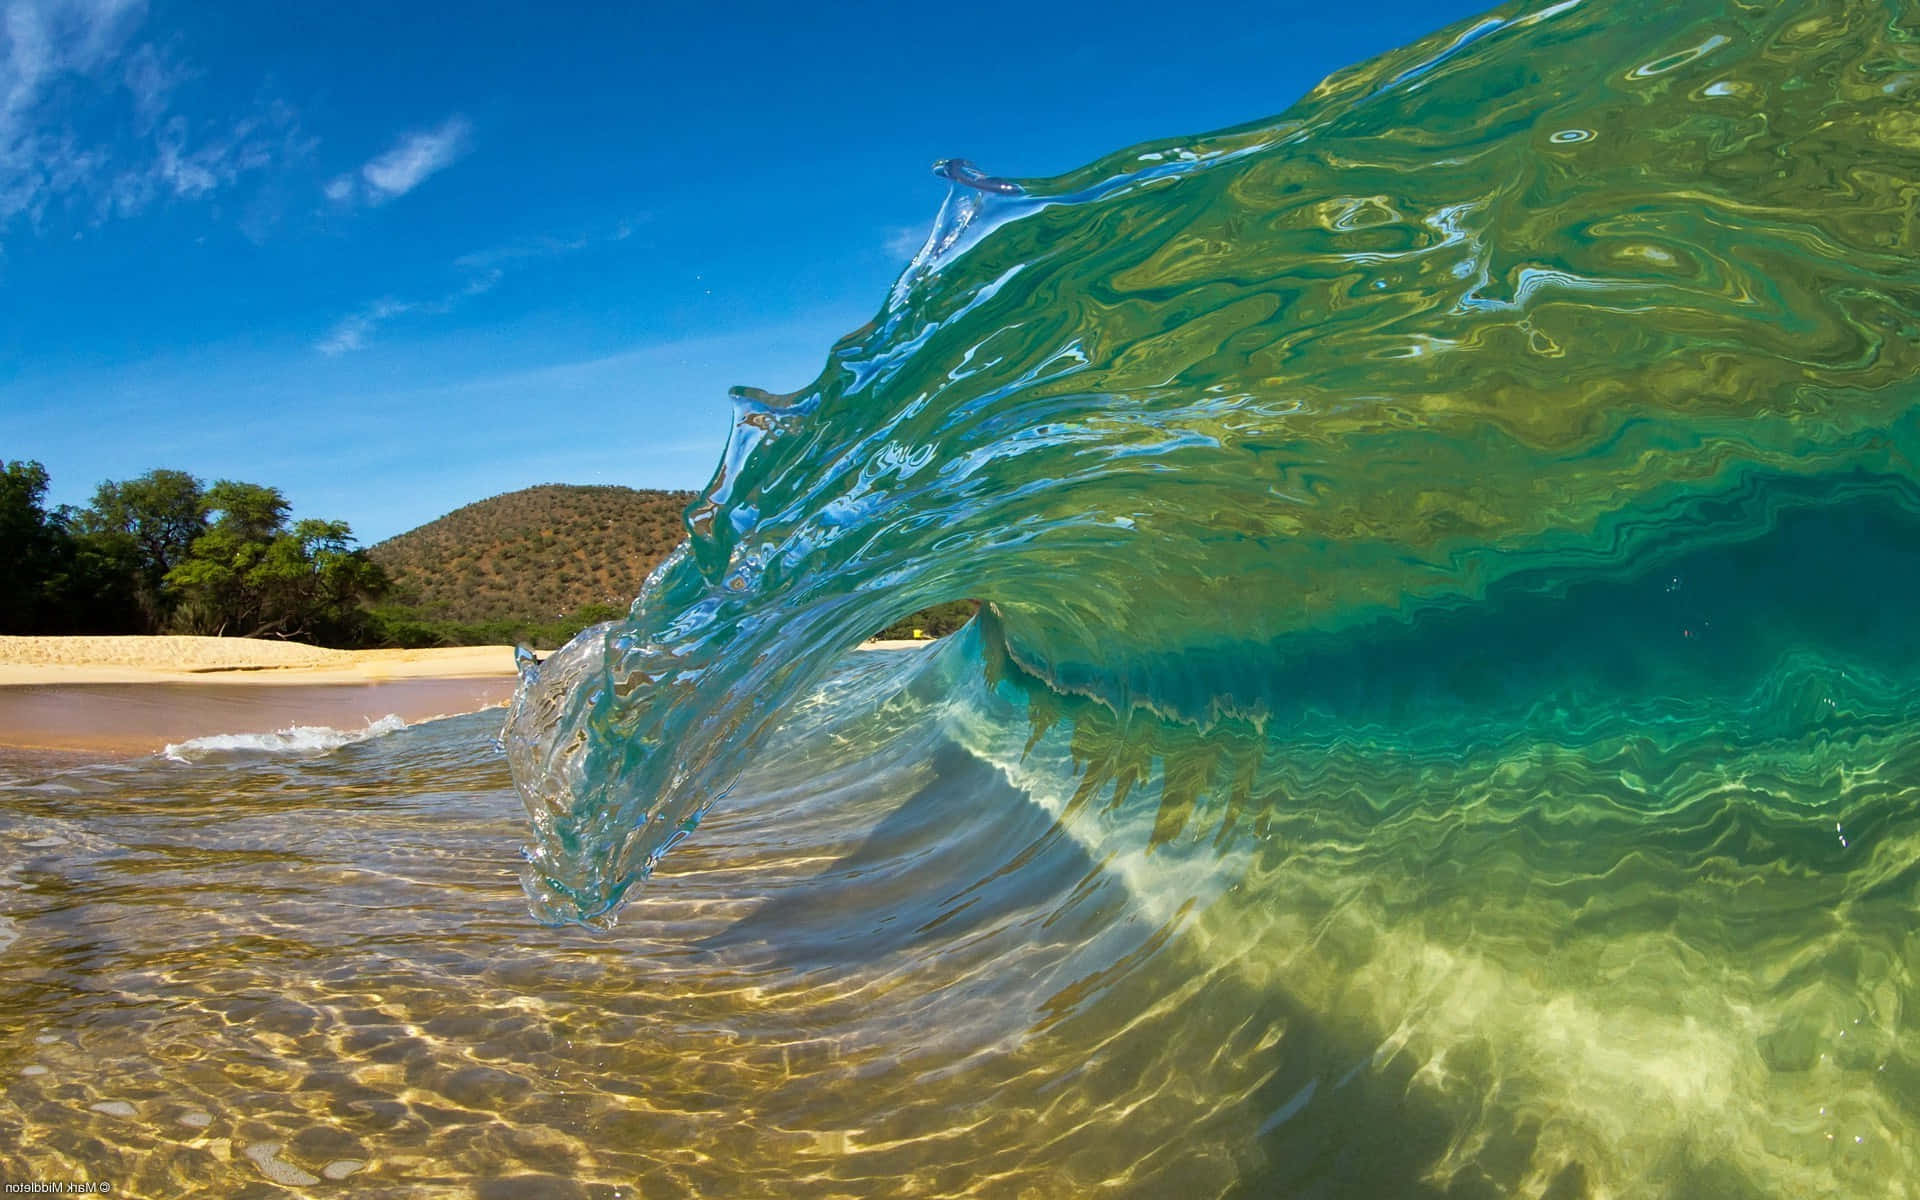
543	563
524	561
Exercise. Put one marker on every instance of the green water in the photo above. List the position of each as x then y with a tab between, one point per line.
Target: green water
1554	296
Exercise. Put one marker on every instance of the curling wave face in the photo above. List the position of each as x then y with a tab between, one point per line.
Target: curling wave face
1447	556
1552	296
1448	561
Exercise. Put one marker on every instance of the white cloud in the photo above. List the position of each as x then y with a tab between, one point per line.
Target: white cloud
188	173
180	169
73	65
417	156
405	165
352	332
45	41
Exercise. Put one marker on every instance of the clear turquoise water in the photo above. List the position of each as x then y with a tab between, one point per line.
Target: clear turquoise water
1443	721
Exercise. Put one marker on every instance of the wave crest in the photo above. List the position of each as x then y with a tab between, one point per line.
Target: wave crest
294	739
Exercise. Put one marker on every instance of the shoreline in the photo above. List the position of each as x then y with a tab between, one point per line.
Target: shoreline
131	719
127	696
30	661
128	658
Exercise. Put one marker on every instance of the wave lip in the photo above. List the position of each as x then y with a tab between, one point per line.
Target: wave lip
294	739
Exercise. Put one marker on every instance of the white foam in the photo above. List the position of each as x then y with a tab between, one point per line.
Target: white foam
295	739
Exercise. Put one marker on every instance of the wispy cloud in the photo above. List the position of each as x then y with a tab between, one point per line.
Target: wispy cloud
183	168
405	165
87	119
484	270
40	155
905	241
417	156
151	77
352	331
523	250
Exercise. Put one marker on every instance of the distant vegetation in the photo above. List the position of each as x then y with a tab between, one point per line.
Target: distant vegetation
536	565
938	621
543	563
165	553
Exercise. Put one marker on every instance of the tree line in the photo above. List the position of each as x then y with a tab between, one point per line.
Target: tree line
165	553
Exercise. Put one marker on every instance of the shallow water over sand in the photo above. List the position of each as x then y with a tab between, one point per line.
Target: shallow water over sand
262	967
901	960
133	719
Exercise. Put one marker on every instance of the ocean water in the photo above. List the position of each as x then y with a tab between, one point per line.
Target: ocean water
1444	718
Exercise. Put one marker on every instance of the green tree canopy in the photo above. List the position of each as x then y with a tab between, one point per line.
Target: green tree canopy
163	552
249	574
250	511
31	547
143	528
162	511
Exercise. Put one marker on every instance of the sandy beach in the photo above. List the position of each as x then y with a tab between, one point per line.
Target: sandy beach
137	695
69	660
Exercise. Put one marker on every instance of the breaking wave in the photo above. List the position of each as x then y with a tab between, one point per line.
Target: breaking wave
1446	552
295	739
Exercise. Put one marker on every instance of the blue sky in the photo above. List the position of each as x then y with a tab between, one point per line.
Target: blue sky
393	259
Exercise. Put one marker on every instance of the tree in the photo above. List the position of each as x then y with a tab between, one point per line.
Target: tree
151	522
104	585
248	574
33	547
251	511
162	552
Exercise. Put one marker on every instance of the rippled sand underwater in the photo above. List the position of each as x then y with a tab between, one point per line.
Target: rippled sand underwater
935	974
293	967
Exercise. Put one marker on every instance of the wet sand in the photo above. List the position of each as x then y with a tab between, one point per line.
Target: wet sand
94	697
119	719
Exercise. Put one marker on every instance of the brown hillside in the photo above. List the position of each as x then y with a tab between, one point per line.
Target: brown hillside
536	554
